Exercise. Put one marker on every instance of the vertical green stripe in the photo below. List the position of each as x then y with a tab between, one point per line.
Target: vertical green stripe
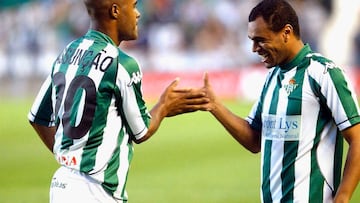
339	145
316	178
288	170
266	172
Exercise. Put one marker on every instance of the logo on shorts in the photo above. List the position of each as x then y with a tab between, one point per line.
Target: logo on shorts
57	184
67	160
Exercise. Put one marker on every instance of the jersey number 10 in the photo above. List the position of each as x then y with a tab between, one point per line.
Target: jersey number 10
72	102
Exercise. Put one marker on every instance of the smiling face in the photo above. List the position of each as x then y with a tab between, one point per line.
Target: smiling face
269	45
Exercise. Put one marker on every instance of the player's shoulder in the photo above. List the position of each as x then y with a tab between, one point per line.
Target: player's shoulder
128	62
320	64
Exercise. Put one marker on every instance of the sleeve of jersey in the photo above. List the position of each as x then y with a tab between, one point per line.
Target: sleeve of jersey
340	97
254	117
41	111
134	108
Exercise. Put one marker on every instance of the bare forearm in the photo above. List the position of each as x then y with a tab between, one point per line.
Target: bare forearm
351	176
157	115
239	129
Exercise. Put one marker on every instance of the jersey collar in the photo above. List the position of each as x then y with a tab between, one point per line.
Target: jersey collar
93	34
298	58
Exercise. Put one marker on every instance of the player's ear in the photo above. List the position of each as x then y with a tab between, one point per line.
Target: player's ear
114	11
288	29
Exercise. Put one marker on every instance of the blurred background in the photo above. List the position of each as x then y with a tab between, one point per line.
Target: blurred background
177	36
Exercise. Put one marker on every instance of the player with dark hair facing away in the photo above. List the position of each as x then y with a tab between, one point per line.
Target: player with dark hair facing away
90	109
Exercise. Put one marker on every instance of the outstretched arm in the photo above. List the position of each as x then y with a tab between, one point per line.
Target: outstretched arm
173	102
236	126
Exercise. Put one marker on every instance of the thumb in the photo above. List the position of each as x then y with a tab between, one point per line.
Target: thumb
206	79
174	83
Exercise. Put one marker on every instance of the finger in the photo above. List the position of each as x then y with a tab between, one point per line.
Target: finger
189	93
193	108
182	90
196	101
182	111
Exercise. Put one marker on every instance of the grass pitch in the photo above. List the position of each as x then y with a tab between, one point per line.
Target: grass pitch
190	159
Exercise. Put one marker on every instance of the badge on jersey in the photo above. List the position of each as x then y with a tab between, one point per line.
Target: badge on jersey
289	88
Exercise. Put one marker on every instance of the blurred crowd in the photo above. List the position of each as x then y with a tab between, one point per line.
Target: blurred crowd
174	35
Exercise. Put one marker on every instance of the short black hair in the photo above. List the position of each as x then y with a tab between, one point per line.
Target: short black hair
276	13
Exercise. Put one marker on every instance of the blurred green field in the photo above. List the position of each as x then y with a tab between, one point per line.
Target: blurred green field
190	159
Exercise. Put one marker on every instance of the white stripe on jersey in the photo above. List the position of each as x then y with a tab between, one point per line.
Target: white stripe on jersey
130	107
275	172
325	150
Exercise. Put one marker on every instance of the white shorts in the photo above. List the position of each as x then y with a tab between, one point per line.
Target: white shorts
72	186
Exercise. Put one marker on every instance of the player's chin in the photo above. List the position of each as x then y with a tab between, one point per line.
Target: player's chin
131	36
134	36
269	64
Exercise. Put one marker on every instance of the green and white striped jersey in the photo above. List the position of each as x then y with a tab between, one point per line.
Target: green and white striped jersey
94	97
302	109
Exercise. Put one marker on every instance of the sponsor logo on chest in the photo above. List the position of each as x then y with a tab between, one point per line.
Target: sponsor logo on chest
286	128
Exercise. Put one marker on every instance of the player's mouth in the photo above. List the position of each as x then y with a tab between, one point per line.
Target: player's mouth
264	57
